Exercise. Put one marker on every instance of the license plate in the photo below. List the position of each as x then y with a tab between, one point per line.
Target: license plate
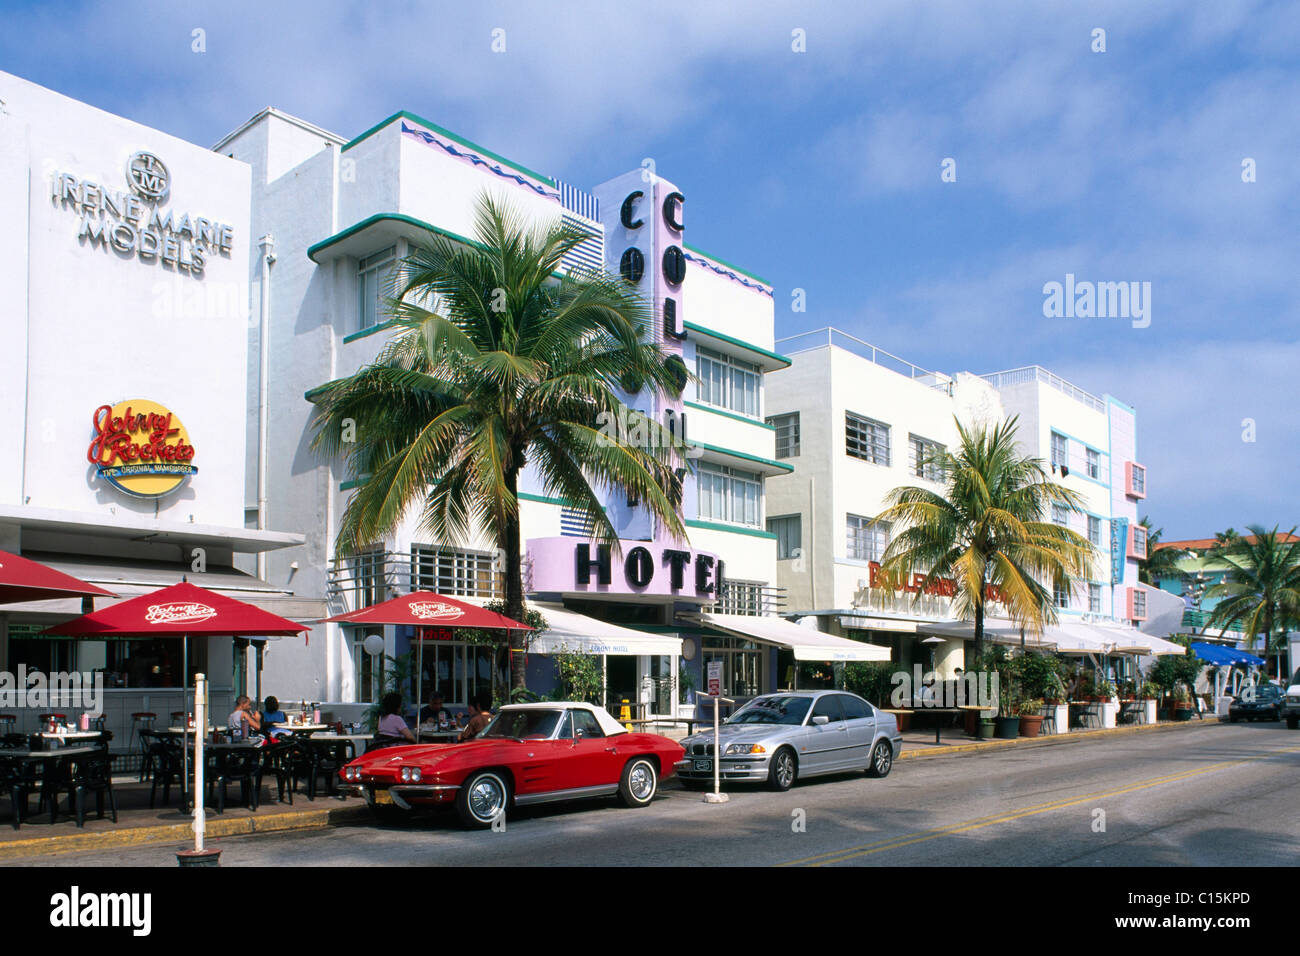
383	797
704	766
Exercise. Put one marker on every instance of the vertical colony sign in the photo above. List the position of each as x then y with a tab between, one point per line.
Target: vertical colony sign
132	221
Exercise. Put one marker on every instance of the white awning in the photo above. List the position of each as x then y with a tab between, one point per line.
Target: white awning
569	631
807	644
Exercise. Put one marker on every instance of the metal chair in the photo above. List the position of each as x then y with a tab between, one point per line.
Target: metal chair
1049	719
92	774
141	721
7	724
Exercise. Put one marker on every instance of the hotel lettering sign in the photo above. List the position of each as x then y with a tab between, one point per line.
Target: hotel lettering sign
141	448
132	222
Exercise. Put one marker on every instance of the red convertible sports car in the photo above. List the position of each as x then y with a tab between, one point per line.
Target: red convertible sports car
529	753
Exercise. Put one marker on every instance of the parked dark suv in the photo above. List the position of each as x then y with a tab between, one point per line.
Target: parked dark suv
1257	703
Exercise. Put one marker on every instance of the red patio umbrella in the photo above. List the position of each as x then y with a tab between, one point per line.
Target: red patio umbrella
180	610
427	609
22	579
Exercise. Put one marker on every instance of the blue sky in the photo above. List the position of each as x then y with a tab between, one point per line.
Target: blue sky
820	170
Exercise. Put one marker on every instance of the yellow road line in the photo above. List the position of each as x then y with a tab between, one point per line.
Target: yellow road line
894	843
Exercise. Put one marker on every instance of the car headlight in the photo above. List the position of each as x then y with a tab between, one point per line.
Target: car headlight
405	774
745	749
415	775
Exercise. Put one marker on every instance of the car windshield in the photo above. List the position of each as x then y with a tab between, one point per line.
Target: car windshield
523	724
772	710
1268	690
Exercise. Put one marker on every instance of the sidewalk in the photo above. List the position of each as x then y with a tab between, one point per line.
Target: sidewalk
137	824
953	740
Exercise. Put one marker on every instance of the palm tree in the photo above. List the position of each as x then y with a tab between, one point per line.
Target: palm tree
499	364
1261	591
1159	562
987	530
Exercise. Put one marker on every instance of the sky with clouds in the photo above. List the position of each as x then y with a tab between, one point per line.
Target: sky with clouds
820	170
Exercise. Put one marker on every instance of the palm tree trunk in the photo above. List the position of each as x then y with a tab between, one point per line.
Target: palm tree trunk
514	588
979	632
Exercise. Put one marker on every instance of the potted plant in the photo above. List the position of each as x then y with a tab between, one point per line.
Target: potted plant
1007	722
987	727
1183	704
1104	692
1031	716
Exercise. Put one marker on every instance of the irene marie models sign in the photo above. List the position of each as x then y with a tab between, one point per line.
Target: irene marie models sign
141	447
569	565
132	222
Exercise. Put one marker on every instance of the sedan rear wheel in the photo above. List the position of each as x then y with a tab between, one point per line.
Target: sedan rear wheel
482	798
639	784
882	759
783	771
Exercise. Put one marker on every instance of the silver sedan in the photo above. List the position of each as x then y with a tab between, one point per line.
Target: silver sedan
781	737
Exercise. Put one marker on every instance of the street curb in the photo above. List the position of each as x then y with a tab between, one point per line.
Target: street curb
1051	739
181	832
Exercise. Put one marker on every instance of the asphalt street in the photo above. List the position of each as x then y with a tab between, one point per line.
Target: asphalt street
1185	797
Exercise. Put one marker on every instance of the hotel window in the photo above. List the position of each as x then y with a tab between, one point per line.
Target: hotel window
787	434
727	382
789	535
1061	595
1140	541
867	539
1139	604
448	571
728	494
741	597
922	458
866	438
1137	479
1094	598
1060	515
1060	450
1094	463
368	581
1094	530
373	274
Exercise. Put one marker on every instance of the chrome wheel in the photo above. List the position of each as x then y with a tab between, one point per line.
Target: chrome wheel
782	774
882	759
639	783
483	799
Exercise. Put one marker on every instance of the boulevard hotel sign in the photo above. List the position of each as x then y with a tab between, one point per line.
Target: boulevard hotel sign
132	221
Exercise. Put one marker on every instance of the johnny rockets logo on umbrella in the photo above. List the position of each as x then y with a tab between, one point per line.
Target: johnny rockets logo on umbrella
180	612
141	447
435	611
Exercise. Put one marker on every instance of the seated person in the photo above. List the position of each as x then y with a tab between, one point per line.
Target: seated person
433	714
273	716
480	711
243	720
391	723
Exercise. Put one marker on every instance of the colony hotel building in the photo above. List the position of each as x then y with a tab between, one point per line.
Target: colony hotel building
333	216
856	422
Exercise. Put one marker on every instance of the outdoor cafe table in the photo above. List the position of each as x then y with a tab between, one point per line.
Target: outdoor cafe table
938	724
54	761
72	735
980	708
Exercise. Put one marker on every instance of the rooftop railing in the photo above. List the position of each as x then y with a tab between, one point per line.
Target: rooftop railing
820	338
1036	373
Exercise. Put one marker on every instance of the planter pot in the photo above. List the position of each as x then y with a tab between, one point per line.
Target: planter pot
987	728
1149	708
1183	713
1109	713
904	721
1031	725
1006	728
972	719
1164	713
